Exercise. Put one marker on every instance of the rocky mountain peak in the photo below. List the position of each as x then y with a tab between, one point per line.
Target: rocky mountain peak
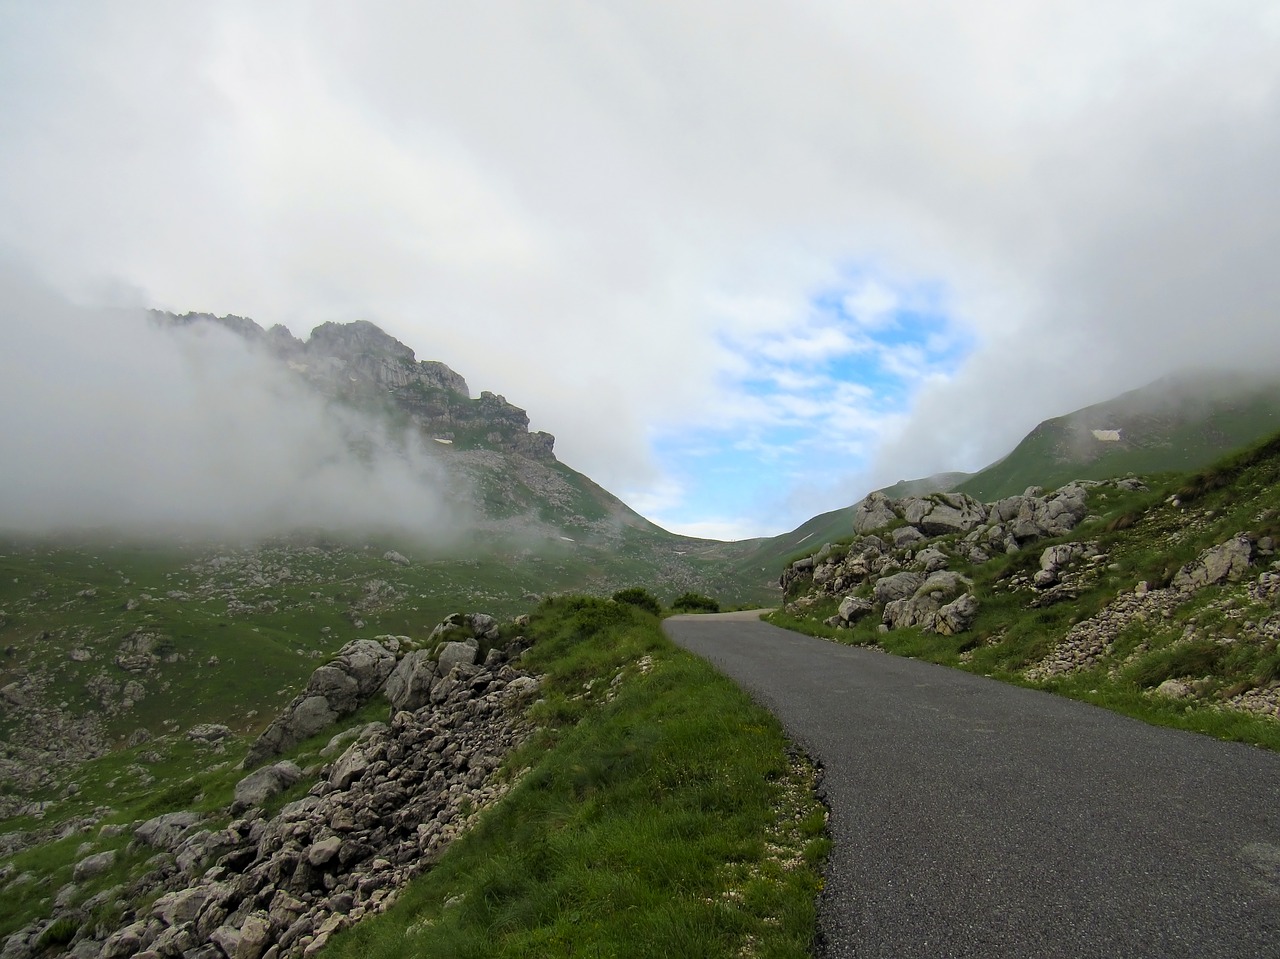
357	338
360	359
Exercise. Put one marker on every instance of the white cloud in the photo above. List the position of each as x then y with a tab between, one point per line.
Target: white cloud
614	215
190	430
872	305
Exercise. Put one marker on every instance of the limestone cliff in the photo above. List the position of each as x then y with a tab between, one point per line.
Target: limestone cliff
359	362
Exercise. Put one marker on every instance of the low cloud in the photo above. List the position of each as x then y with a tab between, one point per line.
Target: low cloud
110	420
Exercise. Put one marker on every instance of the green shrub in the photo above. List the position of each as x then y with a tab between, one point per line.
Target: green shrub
695	603
1199	658
640	597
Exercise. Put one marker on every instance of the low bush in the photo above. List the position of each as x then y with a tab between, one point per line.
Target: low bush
639	597
695	603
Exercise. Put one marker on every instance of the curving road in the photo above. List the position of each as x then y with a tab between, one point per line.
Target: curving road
974	818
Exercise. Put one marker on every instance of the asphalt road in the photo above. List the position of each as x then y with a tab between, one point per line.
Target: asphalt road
973	818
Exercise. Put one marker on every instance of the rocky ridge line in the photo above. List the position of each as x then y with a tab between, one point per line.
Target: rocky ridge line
359	357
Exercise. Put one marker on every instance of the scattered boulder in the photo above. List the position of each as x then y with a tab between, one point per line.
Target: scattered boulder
946	513
391	556
1055	559
1175	689
260	785
957	616
336	689
931	559
167	831
874	512
93	865
897	586
454	654
409	685
208	733
853	608
906	536
1226	562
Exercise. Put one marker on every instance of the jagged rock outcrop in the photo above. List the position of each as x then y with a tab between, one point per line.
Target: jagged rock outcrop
873	513
359	357
940	604
1226	562
890	567
336	689
382	812
945	513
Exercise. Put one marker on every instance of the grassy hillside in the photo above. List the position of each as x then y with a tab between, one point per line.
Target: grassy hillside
656	810
665	821
1173	425
1123	627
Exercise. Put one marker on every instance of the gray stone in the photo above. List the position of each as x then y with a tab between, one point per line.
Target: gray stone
180	907
930	559
895	587
324	851
1175	689
351	765
951	513
409	685
853	608
1226	562
260	785
94	865
454	654
391	556
125	942
874	512
167	831
957	616
208	732
905	536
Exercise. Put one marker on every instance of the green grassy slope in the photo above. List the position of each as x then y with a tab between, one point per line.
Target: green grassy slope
1173	425
668	821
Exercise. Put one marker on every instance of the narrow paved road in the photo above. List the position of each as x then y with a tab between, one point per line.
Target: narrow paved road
973	818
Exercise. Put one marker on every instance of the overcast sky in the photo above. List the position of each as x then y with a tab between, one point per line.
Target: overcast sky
746	260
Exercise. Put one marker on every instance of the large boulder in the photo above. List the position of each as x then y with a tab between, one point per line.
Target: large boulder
473	625
454	654
853	608
930	559
897	586
368	662
924	606
957	616
874	512
260	785
951	513
167	831
1055	559
336	689
1226	562
409	685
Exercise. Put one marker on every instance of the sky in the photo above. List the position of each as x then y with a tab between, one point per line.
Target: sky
747	261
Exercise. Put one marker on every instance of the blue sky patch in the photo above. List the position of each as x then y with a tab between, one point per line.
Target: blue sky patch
803	404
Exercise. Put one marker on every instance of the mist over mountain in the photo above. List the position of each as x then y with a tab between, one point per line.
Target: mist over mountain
116	418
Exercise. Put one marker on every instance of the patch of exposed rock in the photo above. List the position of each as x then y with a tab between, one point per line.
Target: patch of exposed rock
381	812
337	689
1090	641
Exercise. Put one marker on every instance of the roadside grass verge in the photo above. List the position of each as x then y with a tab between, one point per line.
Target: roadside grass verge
658	815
